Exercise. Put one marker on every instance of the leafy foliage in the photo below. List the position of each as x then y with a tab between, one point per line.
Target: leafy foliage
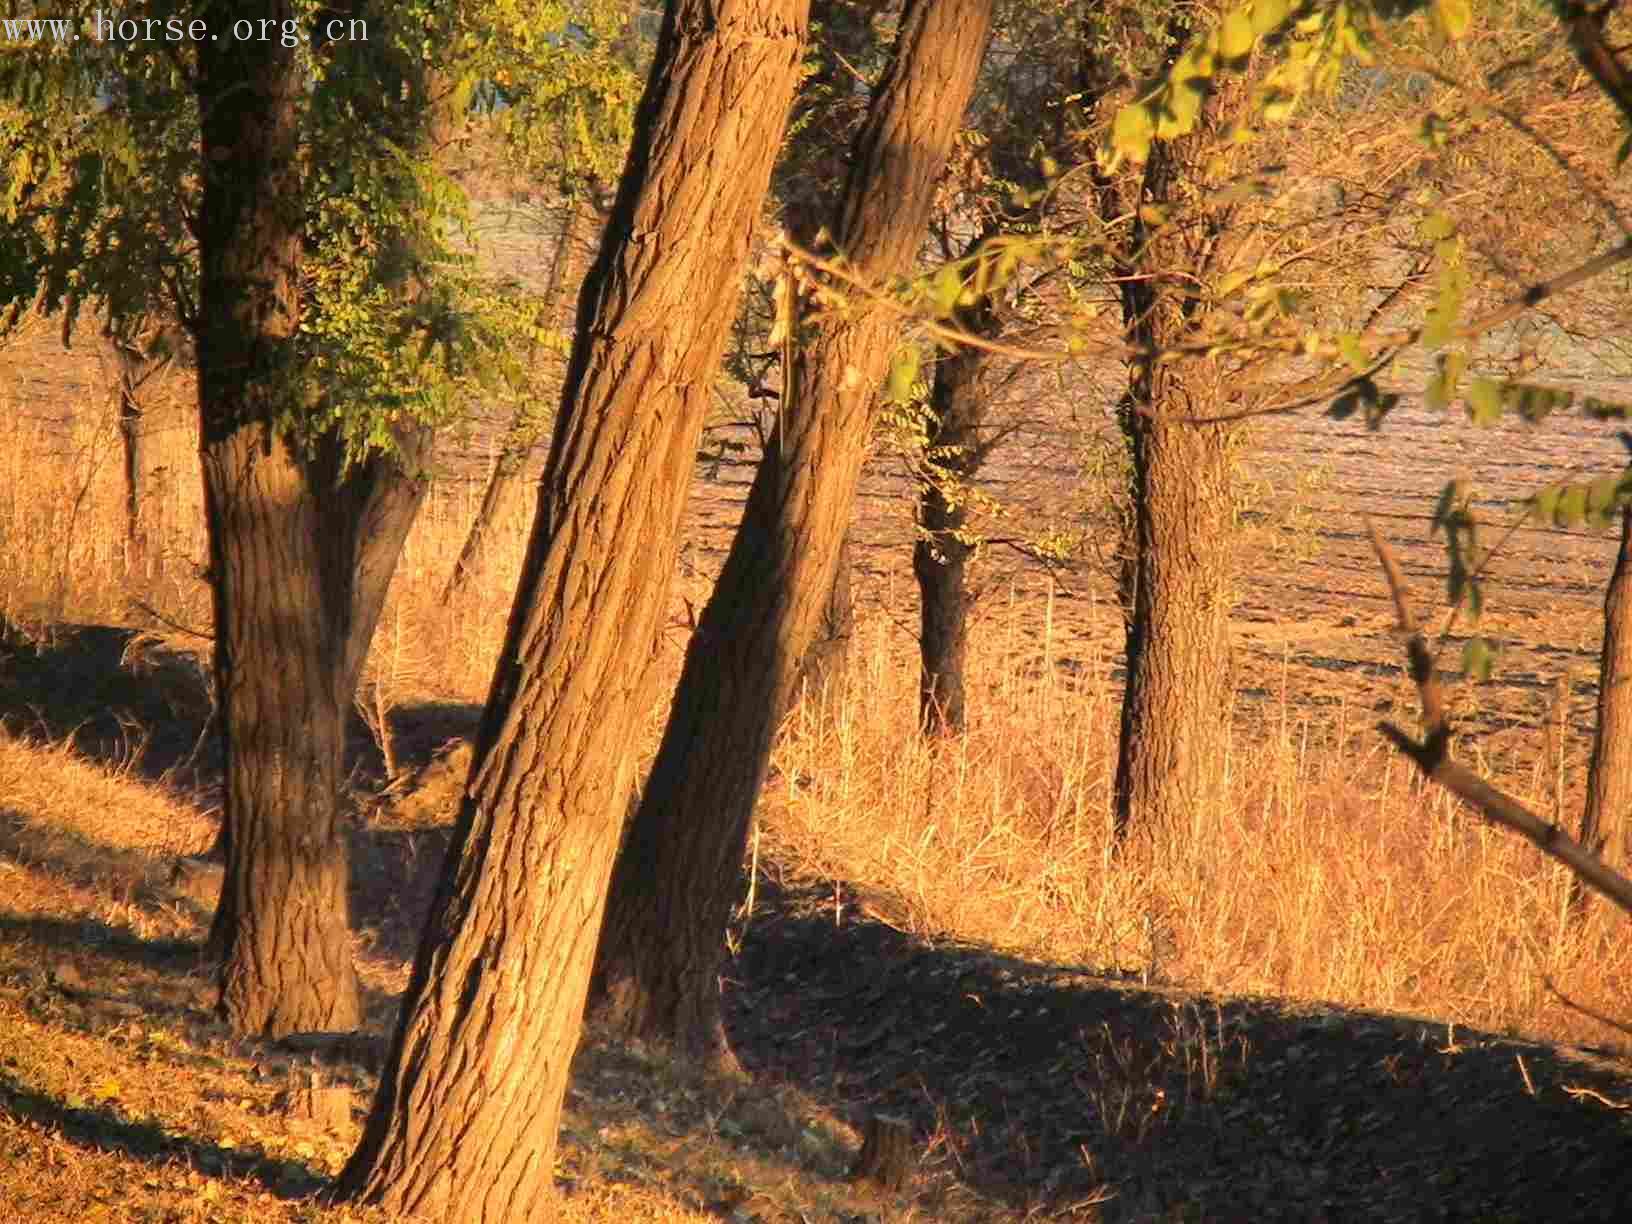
98	181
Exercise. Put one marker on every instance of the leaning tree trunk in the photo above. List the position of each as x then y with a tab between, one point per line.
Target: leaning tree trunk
678	874
1176	577
464	1123
300	561
527	426
1609	776
940	554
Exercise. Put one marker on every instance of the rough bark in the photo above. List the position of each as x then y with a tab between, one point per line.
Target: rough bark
829	652
1609	776
658	965
301	557
581	219
464	1124
939	555
1176	577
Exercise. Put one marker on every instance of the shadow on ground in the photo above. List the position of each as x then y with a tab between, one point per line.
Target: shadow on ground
128	701
1046	1087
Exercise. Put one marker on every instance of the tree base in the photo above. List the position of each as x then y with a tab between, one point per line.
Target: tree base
886	1158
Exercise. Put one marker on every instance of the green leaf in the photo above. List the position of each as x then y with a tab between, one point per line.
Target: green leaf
945	289
1479	658
1448	506
1436	227
1384	405
1235	36
1603	500
903	374
1572	506
1484	400
1605	410
1442	386
1348	344
1535	404
1132	132
1544	505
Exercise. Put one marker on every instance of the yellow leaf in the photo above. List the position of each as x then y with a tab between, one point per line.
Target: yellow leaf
1132	132
1235	36
1267	15
1454	16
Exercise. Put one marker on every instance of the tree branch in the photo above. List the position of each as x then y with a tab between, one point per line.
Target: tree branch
1433	757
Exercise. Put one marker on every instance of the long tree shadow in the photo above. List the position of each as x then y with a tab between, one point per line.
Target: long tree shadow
126	699
1050	1087
118	704
106	1129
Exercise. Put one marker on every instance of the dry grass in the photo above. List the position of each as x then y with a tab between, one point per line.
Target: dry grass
1322	871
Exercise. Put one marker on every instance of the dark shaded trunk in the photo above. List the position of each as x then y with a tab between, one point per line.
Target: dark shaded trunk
829	652
581	221
941	553
135	467
302	562
301	557
1609	775
1175	577
464	1124
679	873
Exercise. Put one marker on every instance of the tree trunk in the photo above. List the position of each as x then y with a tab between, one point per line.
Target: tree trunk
939	555
464	1123
301	558
130	436
829	652
678	874
1176	580
1609	776
567	264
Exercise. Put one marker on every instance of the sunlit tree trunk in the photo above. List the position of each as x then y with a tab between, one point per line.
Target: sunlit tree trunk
1176	568
1604	822
464	1124
679	873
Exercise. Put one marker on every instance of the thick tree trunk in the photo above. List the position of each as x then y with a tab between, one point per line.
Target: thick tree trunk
300	560
1176	578
678	875
939	556
1178	690
580	222
1604	822
302	565
464	1125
